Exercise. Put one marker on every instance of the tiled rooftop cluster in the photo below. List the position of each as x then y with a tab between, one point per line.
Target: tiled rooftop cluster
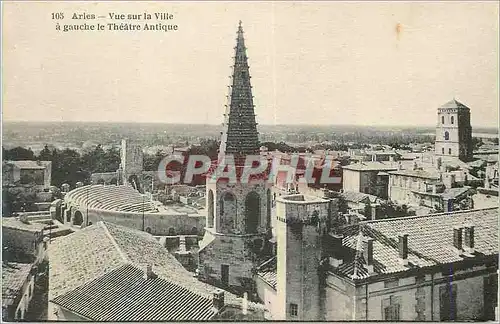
13	278
107	274
430	241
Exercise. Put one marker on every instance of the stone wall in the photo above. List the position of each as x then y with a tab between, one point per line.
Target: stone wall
154	223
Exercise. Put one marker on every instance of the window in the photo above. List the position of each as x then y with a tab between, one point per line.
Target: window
294	310
391	308
442	119
446	136
452	120
442	150
449	151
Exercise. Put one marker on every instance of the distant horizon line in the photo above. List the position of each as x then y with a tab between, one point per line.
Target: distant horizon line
219	124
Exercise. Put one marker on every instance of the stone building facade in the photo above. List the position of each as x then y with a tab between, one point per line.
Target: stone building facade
454	131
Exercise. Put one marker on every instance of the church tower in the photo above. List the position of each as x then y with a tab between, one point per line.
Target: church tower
238	213
453	131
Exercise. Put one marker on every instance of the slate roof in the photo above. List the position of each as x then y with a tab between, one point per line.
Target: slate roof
267	271
80	278
430	241
14	275
371	166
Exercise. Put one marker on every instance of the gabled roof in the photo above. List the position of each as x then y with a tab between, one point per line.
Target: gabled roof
454	104
124	294
82	279
430	241
14	275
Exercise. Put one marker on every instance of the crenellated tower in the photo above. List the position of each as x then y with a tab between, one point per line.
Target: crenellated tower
238	213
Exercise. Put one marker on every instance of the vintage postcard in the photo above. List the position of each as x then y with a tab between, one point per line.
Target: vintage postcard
249	161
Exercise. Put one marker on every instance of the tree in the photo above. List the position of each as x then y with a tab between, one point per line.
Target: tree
45	154
18	154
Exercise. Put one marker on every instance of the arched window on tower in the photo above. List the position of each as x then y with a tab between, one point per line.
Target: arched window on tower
452	120
252	212
449	151
227	211
442	150
442	119
210	207
446	136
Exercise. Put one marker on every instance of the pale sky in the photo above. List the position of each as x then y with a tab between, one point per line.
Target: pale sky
311	63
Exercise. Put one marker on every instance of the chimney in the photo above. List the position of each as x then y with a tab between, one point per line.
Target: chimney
457	239
469	238
368	253
403	248
335	249
149	274
218	300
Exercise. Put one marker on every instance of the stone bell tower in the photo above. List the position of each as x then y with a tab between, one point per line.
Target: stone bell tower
238	212
453	131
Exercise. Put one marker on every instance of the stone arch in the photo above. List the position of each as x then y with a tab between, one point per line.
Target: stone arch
268	214
252	212
148	230
100	181
78	219
210	207
227	210
194	230
171	231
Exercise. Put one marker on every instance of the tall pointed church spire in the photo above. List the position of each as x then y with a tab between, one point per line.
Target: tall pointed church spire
240	136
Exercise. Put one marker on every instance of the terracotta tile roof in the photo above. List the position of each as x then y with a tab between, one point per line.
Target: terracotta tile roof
267	271
124	294
14	275
430	241
112	250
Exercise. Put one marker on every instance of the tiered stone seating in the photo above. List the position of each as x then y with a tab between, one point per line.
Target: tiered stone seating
119	198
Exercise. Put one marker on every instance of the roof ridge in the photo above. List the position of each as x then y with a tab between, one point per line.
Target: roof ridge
427	215
115	244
